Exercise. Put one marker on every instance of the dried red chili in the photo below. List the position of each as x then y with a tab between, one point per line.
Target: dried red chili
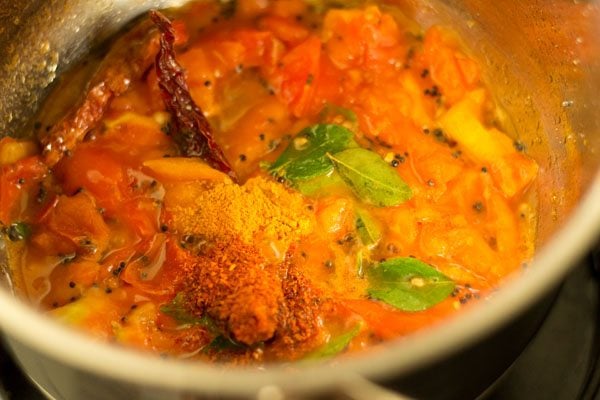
112	79
192	132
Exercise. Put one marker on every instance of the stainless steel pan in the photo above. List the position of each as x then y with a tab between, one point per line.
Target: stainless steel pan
543	61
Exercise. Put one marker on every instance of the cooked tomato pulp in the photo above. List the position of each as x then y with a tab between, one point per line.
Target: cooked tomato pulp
371	194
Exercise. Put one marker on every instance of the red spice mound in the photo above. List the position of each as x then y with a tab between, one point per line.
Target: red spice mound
249	299
234	285
302	303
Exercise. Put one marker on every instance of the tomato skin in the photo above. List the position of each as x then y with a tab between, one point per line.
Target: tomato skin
287	8
156	271
220	55
70	280
17	181
450	69
142	215
48	242
77	218
285	29
148	142
181	33
96	170
295	79
361	38
328	86
260	49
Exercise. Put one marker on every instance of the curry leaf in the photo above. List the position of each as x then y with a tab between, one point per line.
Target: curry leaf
221	343
323	184
363	259
331	110
177	310
368	228
408	284
335	345
18	231
372	179
305	157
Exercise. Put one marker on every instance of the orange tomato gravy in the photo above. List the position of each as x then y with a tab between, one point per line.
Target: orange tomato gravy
109	245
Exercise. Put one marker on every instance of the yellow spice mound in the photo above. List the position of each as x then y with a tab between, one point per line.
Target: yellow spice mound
259	210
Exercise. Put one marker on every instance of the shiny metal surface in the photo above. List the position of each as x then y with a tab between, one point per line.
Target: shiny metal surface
39	39
542	59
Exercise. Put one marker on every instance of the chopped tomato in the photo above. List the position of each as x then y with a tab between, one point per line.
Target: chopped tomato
451	70
95	170
49	242
153	269
16	182
285	29
287	8
261	48
142	215
78	219
69	280
295	79
181	33
362	38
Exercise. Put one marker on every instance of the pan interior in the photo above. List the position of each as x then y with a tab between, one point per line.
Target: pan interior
547	88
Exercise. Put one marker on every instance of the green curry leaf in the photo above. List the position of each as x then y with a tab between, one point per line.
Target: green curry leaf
335	345
368	228
323	184
408	284
177	310
305	157
332	110
18	231
372	179
363	260
221	343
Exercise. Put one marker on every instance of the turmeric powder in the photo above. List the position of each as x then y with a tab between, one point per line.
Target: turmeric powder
260	212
